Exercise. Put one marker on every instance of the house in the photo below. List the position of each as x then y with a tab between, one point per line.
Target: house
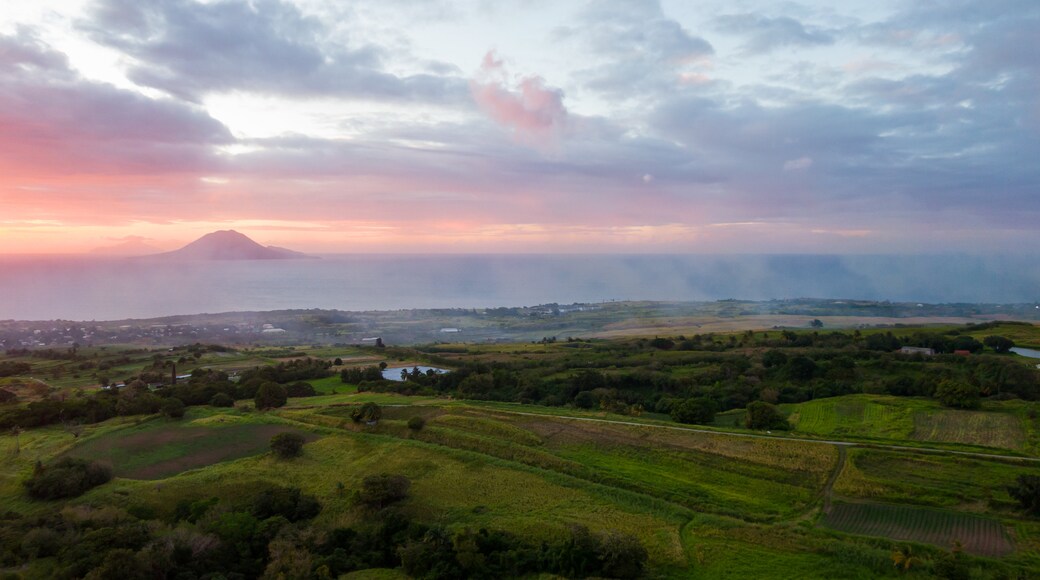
917	350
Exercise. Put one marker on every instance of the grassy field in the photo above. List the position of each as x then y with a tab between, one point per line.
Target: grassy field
977	535
706	505
1025	335
161	448
1004	425
966	483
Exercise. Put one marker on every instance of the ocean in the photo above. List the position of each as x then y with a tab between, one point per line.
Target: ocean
79	288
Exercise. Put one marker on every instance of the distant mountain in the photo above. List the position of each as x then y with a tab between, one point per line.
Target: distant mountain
229	245
131	246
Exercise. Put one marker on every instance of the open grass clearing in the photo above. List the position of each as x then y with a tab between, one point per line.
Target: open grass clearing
978	535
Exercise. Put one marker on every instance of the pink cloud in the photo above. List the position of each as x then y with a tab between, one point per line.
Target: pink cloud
533	111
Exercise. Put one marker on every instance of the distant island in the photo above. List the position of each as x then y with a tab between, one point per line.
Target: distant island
228	245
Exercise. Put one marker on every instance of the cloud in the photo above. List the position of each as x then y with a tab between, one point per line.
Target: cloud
766	34
800	164
533	111
25	50
56	122
188	49
635	50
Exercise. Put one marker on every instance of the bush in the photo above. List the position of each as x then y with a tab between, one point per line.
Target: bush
958	394
379	491
700	411
1027	492
300	389
763	415
287	445
270	395
222	400
172	408
287	502
416	424
67	477
367	413
999	344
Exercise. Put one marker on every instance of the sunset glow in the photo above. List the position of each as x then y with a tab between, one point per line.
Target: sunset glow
521	126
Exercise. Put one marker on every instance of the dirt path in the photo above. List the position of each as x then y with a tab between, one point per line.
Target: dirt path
828	488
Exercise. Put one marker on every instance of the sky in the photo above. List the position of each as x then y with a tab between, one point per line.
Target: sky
737	126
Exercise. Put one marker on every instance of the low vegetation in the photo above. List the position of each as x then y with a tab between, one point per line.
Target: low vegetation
626	458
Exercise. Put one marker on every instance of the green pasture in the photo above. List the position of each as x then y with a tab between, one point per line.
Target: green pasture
906	420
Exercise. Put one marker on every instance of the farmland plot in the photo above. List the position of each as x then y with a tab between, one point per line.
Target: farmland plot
978	535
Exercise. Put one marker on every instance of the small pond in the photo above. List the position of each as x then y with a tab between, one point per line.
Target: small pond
394	373
1026	352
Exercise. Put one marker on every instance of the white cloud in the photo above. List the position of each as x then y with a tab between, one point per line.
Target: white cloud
800	164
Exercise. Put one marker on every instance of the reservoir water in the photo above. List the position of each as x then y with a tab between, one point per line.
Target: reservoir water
394	373
1027	352
78	288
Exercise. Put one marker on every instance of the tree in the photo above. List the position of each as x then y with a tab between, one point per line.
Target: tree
699	411
287	445
800	368
816	323
270	395
66	477
763	415
903	558
367	413
379	491
1026	491
958	394
172	408
774	358
222	400
999	344
338	362
965	342
622	556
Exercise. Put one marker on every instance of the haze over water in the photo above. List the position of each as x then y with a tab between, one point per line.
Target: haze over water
77	288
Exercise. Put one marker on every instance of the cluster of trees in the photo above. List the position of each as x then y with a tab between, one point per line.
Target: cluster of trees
272	534
12	368
66	477
691	386
301	369
205	387
357	375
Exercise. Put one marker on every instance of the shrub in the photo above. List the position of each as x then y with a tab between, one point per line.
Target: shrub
67	477
379	491
287	445
700	411
999	344
762	415
1027	491
416	424
300	389
270	395
287	502
222	400
958	394
368	413
172	408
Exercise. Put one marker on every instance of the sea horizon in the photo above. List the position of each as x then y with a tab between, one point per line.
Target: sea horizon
76	287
